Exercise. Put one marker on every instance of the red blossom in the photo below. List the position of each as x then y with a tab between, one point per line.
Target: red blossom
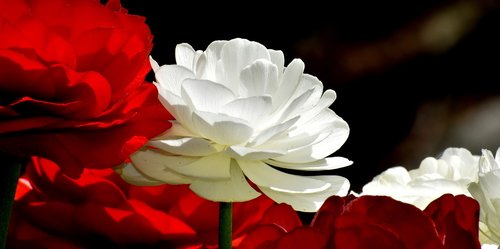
72	83
100	209
450	222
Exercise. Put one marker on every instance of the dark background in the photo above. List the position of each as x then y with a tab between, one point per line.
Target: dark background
412	77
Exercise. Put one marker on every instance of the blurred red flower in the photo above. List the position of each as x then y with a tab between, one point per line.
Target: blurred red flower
100	210
72	82
450	222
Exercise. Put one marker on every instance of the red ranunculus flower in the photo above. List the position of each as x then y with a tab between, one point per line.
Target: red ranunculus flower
100	210
450	222
72	82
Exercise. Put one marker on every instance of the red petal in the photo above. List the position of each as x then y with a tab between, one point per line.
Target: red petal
104	148
130	226
246	215
410	224
55	216
48	45
12	10
263	237
355	232
325	218
457	220
304	237
23	188
283	216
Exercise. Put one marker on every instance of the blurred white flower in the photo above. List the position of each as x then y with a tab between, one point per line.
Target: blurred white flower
238	110
451	173
487	193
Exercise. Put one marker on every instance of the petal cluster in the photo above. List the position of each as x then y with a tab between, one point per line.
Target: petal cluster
241	114
101	210
451	173
450	222
72	83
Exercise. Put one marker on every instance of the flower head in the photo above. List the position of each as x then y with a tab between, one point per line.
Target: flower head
72	82
451	173
240	113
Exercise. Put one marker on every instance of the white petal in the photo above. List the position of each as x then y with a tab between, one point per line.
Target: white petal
130	174
328	163
253	109
258	77
295	107
236	54
484	201
215	166
265	176
464	164
180	110
487	162
205	95
489	246
392	178
187	146
153	167
212	56
325	101
277	58
310	202
154	64
272	131
185	56
284	141
311	82
490	184
235	189
291	78
497	157
242	152
170	77
329	141
222	129
201	65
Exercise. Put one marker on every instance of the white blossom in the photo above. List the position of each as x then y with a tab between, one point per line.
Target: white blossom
241	116
450	173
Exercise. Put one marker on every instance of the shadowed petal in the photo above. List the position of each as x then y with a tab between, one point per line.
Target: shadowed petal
130	174
264	175
234	189
310	202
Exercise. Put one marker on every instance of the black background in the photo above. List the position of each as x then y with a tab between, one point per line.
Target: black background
400	94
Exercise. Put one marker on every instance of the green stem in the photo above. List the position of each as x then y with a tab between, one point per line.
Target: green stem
225	225
9	174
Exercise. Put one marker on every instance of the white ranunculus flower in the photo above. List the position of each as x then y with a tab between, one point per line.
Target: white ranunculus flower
238	111
487	193
451	173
